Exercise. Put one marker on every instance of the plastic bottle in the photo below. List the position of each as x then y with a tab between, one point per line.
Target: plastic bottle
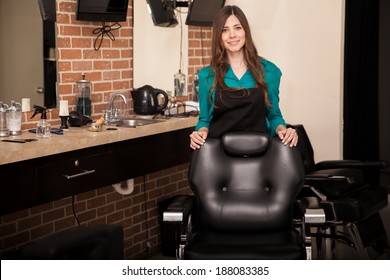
180	84
43	127
15	118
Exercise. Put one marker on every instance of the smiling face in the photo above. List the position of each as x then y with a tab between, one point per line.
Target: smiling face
233	35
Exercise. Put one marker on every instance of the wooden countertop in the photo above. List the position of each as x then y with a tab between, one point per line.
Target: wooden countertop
76	138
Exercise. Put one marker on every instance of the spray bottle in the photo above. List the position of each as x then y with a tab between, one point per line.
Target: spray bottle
43	127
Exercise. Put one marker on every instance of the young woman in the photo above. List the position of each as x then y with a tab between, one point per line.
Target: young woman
239	91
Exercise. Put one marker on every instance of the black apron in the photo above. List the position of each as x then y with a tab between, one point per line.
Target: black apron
242	110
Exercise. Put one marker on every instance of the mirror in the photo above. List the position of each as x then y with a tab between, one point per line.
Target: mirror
168	46
27	54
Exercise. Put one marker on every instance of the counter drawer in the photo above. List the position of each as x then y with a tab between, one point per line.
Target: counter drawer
74	175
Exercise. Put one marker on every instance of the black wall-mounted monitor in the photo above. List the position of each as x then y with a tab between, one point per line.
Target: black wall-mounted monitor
162	13
102	10
202	12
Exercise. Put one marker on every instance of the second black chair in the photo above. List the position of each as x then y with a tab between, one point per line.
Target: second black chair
350	200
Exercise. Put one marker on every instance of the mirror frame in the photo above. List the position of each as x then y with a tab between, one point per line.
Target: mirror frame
48	10
49	64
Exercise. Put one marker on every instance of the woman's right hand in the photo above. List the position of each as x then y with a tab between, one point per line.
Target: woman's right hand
197	138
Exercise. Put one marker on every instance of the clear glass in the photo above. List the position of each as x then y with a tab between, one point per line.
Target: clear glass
15	118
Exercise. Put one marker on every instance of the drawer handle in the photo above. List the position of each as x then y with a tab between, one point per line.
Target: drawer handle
85	172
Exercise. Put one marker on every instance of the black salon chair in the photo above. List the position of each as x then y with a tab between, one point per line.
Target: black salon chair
245	186
350	199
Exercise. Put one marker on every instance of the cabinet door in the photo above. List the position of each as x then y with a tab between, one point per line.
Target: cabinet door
74	175
18	187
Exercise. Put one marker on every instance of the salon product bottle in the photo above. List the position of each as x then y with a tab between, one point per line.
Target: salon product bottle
180	84
15	118
84	103
4	131
43	127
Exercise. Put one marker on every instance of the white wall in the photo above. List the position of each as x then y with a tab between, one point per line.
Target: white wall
303	37
157	49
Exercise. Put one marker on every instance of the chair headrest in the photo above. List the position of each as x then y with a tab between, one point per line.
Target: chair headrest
245	144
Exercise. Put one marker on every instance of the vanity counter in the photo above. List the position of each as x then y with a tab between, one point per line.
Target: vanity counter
41	171
76	138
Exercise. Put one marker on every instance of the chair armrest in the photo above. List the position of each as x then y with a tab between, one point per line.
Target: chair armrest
333	164
332	186
312	215
178	215
312	210
179	209
318	178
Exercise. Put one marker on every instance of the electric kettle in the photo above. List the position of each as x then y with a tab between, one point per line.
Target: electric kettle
145	100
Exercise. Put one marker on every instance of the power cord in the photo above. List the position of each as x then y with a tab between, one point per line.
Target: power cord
149	244
181	41
74	210
104	30
176	104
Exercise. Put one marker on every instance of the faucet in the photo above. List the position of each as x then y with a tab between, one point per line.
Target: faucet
113	114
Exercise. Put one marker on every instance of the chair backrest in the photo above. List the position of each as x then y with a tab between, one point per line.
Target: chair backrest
305	148
245	182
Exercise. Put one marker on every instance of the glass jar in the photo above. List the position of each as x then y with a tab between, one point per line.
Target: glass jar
83	91
15	118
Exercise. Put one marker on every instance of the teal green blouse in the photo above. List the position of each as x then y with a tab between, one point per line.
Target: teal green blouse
274	116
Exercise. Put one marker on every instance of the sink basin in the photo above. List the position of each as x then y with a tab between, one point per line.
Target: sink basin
133	122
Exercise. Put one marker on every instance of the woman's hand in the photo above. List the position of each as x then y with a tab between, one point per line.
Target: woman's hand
197	138
289	136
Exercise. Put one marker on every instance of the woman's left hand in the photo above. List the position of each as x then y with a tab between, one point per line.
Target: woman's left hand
289	136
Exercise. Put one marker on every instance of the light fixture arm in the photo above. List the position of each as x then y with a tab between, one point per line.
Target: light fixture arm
175	3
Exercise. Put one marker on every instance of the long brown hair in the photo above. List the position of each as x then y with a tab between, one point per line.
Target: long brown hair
219	59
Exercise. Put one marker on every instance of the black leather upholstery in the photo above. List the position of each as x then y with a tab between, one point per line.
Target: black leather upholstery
207	245
245	185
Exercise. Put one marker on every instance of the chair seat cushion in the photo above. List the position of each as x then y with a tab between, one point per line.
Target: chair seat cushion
281	245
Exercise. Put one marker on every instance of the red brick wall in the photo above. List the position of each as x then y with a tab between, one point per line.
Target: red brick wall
101	206
199	51
110	69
